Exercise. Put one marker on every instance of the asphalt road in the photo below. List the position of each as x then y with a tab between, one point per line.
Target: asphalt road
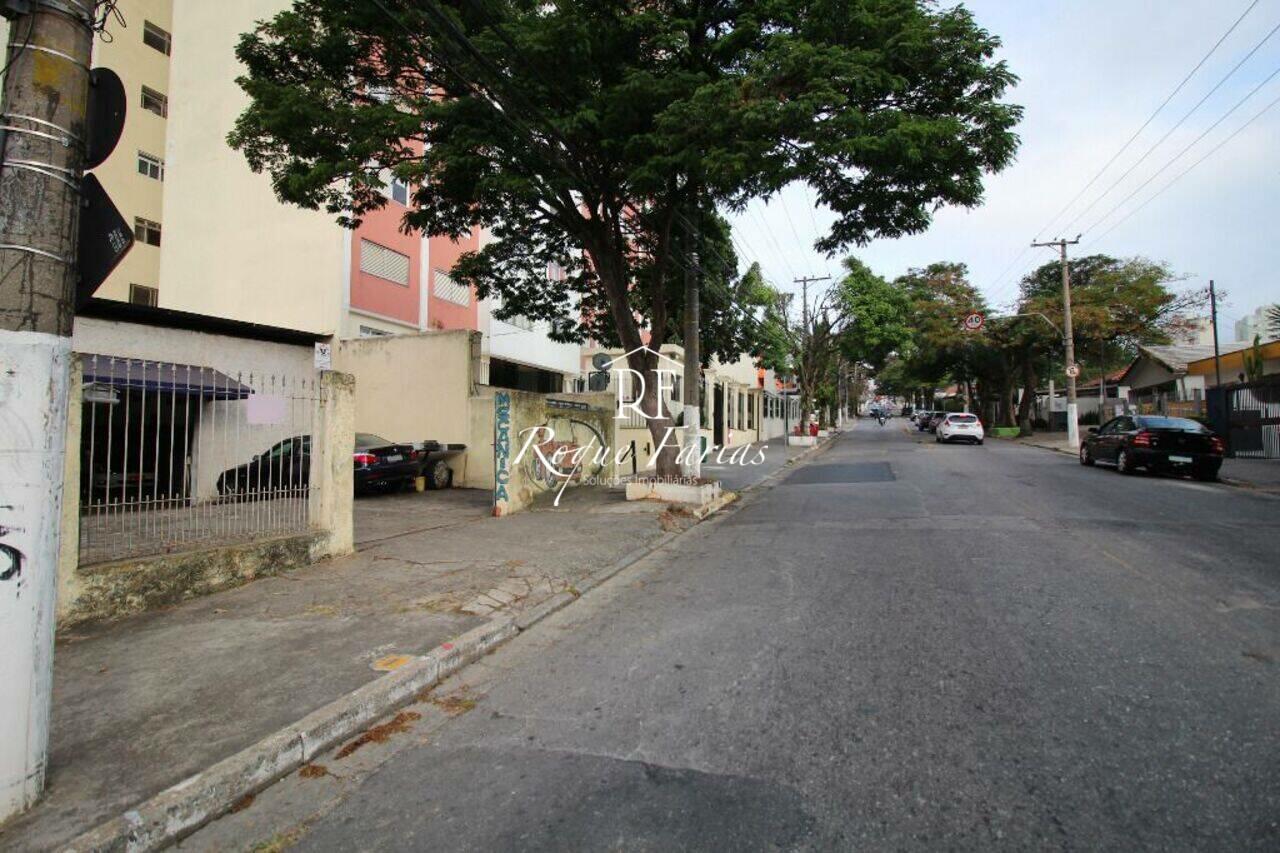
900	646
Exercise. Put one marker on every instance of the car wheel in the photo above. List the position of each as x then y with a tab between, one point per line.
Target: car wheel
1086	458
937	439
439	475
1124	462
979	442
1205	475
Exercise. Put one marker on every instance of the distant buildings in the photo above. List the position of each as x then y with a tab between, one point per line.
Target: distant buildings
1255	324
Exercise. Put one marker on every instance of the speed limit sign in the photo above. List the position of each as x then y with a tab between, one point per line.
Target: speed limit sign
974	322
1073	370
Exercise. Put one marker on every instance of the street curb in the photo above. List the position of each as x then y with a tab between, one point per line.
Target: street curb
185	807
1231	482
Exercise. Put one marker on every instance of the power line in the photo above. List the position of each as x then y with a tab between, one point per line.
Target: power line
1183	173
1150	118
1178	156
1170	131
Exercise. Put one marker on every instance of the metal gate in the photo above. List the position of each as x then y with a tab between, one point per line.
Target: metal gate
1254	419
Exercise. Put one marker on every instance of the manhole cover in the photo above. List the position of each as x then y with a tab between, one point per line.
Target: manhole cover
855	472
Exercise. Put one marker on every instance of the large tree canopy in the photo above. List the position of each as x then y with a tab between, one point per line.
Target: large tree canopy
592	133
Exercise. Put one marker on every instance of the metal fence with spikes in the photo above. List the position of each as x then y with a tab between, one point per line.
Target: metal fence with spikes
175	457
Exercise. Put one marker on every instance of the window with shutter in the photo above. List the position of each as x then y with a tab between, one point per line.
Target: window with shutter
378	260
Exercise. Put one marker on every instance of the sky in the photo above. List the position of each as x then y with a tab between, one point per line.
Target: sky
1091	73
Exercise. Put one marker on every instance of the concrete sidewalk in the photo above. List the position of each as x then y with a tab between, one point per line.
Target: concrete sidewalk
1260	474
142	704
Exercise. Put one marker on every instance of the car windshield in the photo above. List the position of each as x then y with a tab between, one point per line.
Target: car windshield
368	439
964	419
1172	423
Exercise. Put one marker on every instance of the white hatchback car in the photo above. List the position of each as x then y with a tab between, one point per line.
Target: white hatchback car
960	427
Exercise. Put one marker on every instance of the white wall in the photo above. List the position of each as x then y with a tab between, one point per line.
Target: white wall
531	348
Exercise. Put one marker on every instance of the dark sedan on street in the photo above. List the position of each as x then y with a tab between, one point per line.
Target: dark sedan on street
1156	443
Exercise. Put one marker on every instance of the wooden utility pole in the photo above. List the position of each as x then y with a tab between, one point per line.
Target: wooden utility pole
42	150
1068	341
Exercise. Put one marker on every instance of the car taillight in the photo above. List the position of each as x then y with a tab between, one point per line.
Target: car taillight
1142	439
364	458
1217	446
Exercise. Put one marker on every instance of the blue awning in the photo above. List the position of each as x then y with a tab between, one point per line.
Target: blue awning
138	374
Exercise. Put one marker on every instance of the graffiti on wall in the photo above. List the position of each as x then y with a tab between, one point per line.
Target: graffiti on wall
501	452
558	460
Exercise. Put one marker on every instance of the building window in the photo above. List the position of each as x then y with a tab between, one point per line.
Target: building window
378	260
153	36
449	290
400	192
142	295
155	102
371	332
152	167
146	231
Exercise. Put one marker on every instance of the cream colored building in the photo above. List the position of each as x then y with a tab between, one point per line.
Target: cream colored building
134	174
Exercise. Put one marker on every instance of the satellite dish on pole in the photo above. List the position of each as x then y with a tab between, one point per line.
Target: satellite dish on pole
601	361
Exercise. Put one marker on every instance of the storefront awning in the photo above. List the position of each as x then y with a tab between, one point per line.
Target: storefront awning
138	374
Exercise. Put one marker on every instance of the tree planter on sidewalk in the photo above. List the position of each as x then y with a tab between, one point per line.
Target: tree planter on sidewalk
698	493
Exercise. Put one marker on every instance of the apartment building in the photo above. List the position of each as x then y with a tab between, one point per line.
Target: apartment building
1258	323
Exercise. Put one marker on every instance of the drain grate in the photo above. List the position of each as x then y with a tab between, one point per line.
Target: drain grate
855	472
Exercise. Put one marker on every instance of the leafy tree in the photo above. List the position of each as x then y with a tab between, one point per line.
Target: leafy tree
941	296
1116	304
1273	320
879	316
586	133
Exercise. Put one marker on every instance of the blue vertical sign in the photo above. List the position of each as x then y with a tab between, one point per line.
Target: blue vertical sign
501	451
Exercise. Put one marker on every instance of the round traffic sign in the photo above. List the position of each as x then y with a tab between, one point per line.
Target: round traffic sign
974	322
1073	370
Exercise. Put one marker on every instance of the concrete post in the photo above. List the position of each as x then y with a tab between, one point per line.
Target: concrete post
45	98
69	537
331	500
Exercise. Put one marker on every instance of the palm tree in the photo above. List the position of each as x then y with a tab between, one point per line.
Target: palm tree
1273	321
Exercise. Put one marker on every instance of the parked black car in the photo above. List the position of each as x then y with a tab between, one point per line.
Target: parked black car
923	418
380	463
936	419
1157	443
377	463
284	465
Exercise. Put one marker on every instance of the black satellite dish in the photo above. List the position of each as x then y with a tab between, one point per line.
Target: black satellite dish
601	361
107	108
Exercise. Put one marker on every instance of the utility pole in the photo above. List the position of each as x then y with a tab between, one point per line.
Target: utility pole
692	357
42	151
806	331
1213	313
1222	421
1068	340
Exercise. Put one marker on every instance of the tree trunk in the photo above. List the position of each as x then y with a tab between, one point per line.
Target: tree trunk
662	427
1028	395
